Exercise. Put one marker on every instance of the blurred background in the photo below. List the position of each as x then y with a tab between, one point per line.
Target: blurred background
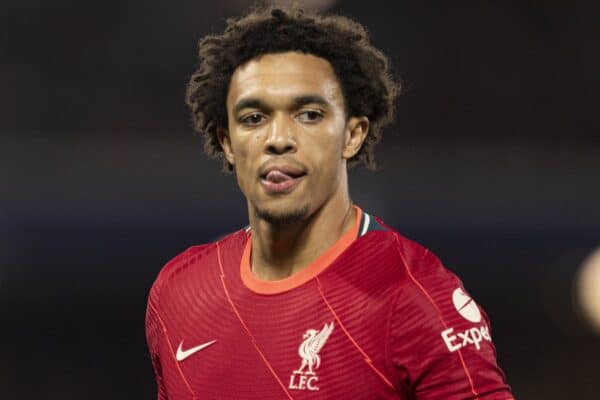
494	164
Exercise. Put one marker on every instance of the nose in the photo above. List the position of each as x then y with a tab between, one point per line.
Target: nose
280	138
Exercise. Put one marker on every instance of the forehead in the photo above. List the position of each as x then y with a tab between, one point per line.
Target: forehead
284	75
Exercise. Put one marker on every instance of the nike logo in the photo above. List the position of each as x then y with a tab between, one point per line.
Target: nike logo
183	354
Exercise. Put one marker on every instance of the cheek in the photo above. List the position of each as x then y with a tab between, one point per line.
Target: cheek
246	145
327	158
329	145
245	152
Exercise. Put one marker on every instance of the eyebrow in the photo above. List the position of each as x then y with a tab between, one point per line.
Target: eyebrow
297	102
300	101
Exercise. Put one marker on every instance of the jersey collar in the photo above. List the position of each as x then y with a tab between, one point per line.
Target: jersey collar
309	272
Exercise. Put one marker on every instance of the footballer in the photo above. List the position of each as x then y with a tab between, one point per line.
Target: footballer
316	298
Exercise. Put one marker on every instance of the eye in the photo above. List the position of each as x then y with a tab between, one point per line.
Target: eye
252	119
310	116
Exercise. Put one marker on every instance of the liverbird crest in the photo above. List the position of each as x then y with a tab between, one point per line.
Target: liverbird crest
311	346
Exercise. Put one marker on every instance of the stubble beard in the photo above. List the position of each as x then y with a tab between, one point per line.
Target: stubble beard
282	218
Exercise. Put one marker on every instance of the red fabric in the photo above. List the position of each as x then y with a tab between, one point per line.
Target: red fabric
395	331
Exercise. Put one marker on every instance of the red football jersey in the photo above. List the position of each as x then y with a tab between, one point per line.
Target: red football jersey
375	317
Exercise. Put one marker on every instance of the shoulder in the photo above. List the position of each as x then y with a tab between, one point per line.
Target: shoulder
194	260
438	337
426	283
431	300
412	261
427	295
423	269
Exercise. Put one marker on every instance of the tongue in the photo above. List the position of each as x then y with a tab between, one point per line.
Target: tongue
277	177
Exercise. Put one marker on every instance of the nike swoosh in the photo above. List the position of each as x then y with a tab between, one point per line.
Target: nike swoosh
183	354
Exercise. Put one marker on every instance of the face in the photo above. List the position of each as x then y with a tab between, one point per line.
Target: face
288	136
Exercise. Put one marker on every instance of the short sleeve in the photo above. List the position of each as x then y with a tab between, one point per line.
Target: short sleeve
439	339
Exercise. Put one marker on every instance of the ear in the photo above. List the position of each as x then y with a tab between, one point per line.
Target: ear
225	141
357	129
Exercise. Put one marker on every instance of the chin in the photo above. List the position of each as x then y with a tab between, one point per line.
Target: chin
282	215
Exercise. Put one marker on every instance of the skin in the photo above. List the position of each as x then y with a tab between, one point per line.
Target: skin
268	126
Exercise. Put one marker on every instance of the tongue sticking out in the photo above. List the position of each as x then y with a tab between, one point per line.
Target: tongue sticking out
277	177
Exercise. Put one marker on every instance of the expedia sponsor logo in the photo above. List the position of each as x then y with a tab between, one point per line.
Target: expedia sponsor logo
472	336
469	310
466	306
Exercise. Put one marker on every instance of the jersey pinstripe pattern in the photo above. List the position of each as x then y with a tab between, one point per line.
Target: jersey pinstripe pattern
372	318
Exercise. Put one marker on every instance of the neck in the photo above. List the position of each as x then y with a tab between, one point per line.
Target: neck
279	251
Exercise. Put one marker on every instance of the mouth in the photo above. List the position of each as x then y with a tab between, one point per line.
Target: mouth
281	179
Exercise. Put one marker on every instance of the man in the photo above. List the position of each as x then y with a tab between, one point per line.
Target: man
316	298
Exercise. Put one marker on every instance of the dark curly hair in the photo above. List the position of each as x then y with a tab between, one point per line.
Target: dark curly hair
362	70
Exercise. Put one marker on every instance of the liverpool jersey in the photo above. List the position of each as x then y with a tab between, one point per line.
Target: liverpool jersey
376	316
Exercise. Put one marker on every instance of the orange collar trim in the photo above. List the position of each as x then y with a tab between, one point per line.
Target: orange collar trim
304	275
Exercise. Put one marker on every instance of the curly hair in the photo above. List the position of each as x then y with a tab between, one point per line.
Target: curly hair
362	70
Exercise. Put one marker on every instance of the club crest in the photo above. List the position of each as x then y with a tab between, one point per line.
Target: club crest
305	377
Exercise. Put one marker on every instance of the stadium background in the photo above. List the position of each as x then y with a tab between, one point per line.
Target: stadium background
494	164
